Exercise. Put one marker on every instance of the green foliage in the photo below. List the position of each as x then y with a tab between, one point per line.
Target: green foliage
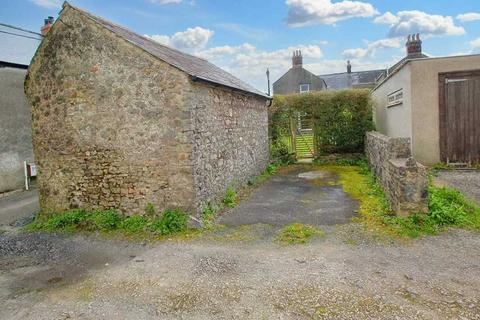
449	207
354	159
280	154
340	118
230	198
209	213
297	233
171	222
105	220
150	210
134	224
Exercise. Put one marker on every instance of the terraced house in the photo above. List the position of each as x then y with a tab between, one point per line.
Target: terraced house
120	121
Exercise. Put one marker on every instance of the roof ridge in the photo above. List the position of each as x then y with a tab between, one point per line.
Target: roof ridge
190	64
92	15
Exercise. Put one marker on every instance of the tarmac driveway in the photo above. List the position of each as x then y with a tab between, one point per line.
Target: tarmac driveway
295	195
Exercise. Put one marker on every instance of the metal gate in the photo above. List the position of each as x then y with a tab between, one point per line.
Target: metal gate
460	117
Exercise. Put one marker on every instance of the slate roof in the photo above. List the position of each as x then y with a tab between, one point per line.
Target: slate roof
344	80
194	66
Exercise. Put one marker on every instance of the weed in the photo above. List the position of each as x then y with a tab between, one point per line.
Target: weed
150	210
297	233
171	221
105	220
230	198
134	224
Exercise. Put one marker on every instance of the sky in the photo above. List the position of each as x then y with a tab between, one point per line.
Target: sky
245	37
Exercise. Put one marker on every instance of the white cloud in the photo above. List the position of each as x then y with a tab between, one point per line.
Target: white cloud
191	40
166	1
468	17
408	22
50	4
372	48
250	63
310	12
475	43
386	18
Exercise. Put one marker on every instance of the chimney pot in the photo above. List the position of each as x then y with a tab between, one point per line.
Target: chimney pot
48	22
413	45
297	59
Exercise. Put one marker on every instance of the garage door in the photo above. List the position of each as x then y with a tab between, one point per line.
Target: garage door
460	117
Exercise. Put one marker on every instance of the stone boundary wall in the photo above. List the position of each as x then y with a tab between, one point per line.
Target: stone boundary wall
403	179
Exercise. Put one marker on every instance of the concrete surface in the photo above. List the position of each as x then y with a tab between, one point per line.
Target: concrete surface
467	182
18	206
294	196
15	129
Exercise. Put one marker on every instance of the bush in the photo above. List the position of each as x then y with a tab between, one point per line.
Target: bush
230	198
340	118
172	221
280	154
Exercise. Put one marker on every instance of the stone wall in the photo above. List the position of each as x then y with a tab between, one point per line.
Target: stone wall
114	127
15	129
403	179
230	140
111	128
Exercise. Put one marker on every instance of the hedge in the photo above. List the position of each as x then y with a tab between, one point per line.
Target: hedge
340	118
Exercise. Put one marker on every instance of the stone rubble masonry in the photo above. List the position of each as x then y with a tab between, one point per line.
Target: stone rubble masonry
114	127
403	179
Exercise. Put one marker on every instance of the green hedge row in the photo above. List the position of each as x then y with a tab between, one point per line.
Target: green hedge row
340	118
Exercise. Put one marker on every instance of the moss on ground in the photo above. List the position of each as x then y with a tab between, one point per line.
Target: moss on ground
298	233
447	207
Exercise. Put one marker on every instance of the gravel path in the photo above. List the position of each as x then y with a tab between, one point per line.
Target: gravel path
335	277
468	182
240	272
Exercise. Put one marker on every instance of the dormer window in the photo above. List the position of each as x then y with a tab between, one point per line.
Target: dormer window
304	88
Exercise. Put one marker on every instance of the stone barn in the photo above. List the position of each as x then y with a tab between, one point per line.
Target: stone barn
120	121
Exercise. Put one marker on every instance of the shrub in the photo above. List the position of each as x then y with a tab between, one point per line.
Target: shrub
172	221
105	220
134	224
340	118
230	198
280	154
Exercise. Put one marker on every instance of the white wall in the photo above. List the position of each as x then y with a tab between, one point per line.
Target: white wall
394	121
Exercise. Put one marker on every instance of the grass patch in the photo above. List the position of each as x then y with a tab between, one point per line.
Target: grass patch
168	223
298	233
447	207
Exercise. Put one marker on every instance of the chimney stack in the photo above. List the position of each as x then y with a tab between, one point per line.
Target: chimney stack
349	67
47	25
297	60
413	45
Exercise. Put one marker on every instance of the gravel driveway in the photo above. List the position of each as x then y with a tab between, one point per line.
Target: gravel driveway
241	273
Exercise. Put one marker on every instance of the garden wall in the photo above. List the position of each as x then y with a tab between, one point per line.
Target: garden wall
402	178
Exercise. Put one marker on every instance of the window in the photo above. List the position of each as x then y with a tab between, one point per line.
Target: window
395	98
304	88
